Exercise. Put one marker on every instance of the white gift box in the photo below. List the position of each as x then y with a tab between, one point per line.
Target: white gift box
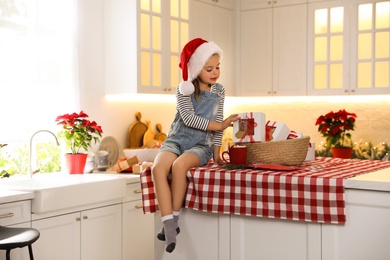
311	152
294	134
276	131
249	128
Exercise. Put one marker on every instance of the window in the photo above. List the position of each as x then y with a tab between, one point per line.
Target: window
38	67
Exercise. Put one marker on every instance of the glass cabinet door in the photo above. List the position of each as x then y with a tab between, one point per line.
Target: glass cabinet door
328	48
370	55
161	41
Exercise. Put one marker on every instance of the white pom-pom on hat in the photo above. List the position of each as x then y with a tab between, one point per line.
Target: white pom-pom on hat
193	57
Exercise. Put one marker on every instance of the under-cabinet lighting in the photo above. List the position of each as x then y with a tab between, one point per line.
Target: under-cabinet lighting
142	98
253	100
307	99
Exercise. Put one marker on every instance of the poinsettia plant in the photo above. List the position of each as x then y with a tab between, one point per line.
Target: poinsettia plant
335	126
78	132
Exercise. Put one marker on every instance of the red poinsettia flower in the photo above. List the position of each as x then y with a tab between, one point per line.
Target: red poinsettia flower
334	127
77	131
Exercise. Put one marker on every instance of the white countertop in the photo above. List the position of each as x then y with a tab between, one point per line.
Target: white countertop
130	177
379	181
7	196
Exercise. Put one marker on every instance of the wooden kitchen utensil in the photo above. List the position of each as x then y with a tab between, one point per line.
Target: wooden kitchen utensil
160	136
149	134
136	132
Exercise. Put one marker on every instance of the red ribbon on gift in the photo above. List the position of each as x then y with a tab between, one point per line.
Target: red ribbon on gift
249	129
292	135
268	133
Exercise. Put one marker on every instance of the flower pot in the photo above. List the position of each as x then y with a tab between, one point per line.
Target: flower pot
76	162
342	152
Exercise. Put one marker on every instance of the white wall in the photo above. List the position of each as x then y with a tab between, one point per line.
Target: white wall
116	116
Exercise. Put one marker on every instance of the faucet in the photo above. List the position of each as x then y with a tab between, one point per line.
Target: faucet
31	172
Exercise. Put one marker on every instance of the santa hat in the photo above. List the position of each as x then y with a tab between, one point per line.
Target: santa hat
193	57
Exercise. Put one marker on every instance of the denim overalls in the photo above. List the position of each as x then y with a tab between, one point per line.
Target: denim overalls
182	138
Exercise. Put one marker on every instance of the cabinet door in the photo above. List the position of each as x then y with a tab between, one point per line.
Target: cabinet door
60	238
256	4
366	233
138	232
289	50
256	53
254	238
216	24
370	53
101	233
203	236
328	48
229	4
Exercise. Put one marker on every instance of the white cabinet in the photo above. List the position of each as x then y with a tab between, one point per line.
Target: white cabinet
16	214
142	43
348	50
217	24
229	4
137	228
255	238
273	51
255	4
366	233
209	236
202	236
86	235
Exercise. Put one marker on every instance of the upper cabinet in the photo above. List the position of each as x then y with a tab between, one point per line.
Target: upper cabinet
370	24
143	40
214	23
348	47
273	49
229	4
256	4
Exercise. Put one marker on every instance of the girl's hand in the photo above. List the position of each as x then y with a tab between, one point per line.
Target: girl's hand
229	121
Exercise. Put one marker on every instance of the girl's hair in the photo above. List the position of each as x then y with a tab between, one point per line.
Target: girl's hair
195	81
197	88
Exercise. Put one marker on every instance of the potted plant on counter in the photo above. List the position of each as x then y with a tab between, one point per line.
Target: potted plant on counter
78	133
334	127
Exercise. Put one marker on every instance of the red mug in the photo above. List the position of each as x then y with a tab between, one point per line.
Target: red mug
237	155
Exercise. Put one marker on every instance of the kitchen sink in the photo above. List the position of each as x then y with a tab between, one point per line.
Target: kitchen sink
69	191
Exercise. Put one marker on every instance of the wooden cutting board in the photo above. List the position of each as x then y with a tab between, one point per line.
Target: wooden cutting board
136	132
149	134
160	136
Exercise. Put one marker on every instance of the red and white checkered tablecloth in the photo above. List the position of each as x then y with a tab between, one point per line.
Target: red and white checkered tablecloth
314	192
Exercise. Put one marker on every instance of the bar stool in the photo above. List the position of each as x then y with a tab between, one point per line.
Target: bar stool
13	237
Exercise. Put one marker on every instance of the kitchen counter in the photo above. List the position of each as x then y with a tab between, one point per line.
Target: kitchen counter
7	196
376	181
130	177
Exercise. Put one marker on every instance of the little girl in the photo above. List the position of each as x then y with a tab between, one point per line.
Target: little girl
196	133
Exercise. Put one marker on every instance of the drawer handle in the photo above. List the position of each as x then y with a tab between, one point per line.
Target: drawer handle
138	206
138	191
7	215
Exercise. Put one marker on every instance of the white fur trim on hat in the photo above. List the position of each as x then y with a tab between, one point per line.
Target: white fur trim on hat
200	57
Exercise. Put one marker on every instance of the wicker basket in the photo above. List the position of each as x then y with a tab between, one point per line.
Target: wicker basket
290	152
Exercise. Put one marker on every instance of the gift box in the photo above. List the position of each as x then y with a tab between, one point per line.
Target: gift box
294	134
276	131
311	152
249	128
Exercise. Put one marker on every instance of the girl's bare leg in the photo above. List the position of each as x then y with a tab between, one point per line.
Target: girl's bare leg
161	169
180	168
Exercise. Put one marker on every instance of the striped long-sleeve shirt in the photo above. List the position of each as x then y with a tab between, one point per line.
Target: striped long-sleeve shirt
186	109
